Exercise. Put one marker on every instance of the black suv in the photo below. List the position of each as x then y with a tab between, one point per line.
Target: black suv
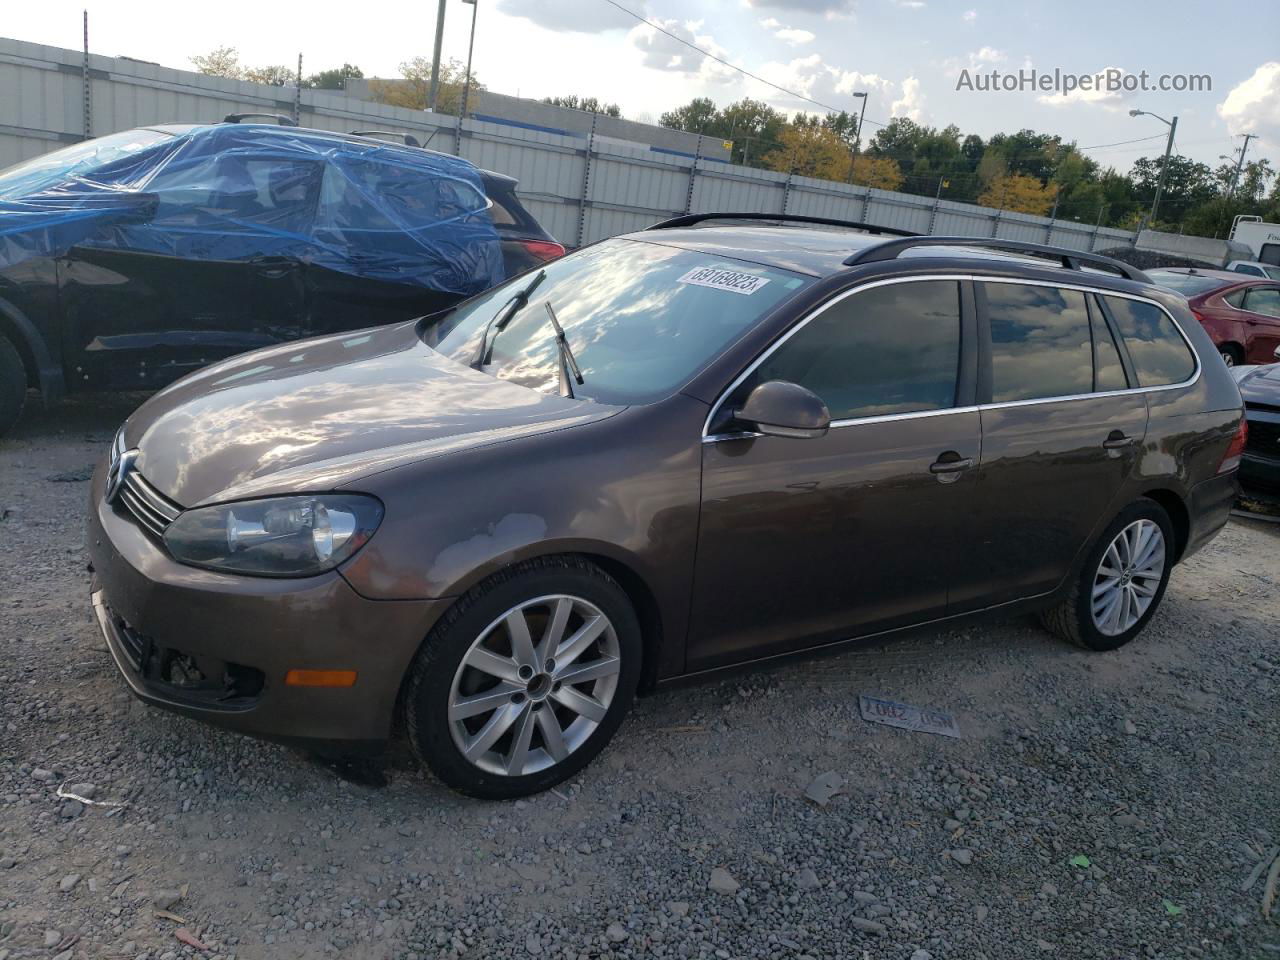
130	260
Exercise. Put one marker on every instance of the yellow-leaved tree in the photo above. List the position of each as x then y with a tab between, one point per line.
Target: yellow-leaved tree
870	170
413	89
809	150
1014	191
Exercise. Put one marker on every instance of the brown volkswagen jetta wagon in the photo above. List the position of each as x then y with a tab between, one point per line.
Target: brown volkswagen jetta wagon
716	441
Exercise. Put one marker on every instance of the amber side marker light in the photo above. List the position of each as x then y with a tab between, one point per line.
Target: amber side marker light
320	678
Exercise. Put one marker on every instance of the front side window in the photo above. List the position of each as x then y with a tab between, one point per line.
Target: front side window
641	318
239	193
885	350
1041	343
1160	356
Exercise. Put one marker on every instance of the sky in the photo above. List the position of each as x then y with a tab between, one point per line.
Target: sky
908	55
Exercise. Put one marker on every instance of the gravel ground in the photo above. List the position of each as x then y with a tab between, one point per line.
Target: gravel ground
692	835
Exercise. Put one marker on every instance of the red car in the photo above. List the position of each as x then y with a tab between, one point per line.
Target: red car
1241	314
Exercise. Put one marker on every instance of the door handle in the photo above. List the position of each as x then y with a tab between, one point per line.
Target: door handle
272	268
950	463
1117	441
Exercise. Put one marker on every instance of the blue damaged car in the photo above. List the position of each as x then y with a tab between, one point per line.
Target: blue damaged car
133	259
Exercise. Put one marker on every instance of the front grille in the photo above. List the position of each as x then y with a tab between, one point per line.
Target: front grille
1264	439
148	506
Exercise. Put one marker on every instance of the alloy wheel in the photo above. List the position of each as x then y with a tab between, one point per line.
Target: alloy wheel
1128	577
1228	358
534	685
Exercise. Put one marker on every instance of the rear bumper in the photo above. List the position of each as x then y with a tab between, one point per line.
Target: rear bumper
243	634
1210	506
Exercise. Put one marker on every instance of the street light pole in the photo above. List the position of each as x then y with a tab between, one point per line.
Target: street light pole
434	92
466	86
1168	151
857	135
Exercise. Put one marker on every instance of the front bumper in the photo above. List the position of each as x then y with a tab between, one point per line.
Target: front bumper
251	630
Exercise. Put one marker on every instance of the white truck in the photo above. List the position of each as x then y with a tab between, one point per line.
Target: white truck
1259	236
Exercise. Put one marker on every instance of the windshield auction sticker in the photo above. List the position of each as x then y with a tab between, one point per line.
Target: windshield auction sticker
720	279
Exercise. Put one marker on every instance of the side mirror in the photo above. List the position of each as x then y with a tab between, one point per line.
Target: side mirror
782	409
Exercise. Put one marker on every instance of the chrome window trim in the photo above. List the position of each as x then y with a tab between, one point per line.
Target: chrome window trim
854	421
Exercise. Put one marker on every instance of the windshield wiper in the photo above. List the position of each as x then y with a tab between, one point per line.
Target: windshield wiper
568	365
498	322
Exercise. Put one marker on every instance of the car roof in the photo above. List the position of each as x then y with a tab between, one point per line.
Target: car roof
493	178
1200	272
821	251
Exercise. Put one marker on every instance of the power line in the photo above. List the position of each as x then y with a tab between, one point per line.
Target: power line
1120	143
731	66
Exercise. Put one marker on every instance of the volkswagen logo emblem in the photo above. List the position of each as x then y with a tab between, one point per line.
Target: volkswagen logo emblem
116	473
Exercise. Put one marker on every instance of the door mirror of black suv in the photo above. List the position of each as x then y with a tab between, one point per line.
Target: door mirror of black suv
778	408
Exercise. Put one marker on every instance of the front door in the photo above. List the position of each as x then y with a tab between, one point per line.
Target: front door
803	541
215	272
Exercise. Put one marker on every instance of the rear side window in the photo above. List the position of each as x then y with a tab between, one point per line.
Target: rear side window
886	350
1263	300
1108	369
501	212
1041	343
1160	356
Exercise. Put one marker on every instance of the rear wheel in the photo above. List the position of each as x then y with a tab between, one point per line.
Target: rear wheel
525	680
1121	583
13	385
1232	355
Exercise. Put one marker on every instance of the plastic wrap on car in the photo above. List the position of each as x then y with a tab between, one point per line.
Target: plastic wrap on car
235	192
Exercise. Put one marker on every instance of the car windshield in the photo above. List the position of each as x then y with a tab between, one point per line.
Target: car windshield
40	173
1187	284
640	318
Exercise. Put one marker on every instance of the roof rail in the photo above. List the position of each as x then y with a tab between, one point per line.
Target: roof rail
1071	259
689	219
408	139
279	118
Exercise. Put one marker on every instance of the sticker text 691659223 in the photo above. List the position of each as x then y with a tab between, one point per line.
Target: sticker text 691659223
719	278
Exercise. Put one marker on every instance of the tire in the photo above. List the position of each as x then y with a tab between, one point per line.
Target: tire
13	385
534	703
1231	355
1074	617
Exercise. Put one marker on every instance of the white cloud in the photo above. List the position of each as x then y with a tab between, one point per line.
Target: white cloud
969	16
829	7
1254	105
1097	96
571	15
790	35
662	52
909	4
987	55
911	103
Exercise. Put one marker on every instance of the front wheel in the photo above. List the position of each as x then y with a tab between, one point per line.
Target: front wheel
525	680
1232	355
1121	583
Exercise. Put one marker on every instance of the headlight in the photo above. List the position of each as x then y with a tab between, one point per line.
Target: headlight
279	537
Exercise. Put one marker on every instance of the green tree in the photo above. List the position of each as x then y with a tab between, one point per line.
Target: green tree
219	62
693	117
587	104
334	79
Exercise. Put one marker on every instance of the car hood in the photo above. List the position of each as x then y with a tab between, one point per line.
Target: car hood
1259	386
317	414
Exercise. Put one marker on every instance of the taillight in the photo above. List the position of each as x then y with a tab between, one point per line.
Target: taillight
1231	459
544	250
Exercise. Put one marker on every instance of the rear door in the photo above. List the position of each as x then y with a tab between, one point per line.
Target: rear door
803	541
1261	308
1061	431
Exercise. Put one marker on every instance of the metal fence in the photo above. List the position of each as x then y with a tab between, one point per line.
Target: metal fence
581	189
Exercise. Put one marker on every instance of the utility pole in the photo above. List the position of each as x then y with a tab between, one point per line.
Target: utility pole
435	60
466	87
1235	177
1164	168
